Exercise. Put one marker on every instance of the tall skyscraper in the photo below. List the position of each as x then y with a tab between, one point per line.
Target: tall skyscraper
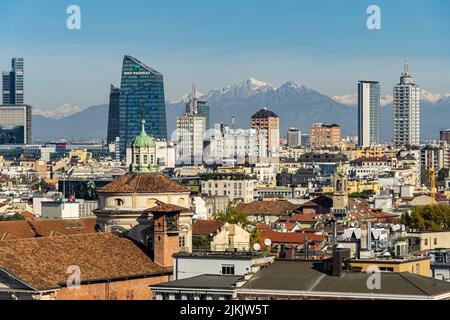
13	83
294	138
141	92
191	128
268	123
204	111
368	113
113	114
406	111
15	124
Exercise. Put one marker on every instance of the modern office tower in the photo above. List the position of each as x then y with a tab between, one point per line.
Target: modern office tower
294	138
141	93
191	128
445	136
15	124
306	140
113	114
325	136
13	83
204	111
406	111
267	123
236	146
368	113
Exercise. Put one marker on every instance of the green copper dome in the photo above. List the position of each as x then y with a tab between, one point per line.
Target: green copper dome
144	140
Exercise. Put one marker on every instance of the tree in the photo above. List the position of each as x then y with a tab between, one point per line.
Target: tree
232	216
432	217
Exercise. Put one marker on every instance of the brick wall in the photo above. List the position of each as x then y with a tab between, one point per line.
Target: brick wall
136	289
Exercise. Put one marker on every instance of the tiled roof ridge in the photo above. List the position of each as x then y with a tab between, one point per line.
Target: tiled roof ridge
56	237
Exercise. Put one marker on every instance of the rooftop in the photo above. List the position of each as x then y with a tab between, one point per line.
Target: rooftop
206	281
143	183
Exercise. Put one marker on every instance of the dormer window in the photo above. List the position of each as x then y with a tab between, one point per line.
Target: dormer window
118	202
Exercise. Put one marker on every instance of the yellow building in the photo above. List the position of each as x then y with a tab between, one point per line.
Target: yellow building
355	186
420	266
81	155
429	240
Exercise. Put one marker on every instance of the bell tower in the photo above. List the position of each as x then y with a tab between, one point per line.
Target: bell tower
166	235
340	195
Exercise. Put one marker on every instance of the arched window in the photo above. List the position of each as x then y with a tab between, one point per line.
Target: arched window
118	202
181	202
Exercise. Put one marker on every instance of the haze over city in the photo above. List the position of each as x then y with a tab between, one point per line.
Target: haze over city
216	44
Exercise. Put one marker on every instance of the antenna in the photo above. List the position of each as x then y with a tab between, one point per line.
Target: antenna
406	65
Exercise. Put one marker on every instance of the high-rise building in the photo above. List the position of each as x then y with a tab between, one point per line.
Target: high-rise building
236	146
191	128
294	138
445	136
15	124
267	123
113	114
141	93
204	111
325	136
368	113
13	83
406	111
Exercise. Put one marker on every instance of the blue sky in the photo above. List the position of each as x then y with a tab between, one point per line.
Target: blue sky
322	44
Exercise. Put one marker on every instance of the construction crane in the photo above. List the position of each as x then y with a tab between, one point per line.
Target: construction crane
432	173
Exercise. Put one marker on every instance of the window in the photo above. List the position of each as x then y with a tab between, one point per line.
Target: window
145	160
417	267
182	241
435	241
228	269
426	241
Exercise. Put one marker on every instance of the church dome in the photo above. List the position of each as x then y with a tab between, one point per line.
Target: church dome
143	140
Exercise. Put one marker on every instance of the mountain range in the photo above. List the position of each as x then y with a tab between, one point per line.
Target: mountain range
296	105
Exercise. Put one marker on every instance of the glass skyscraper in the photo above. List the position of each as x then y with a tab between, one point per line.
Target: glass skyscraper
13	83
141	92
368	113
203	111
114	114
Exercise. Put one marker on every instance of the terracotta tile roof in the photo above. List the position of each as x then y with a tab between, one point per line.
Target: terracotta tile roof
50	228
27	215
143	183
309	217
164	207
10	230
266	208
206	227
285	237
42	263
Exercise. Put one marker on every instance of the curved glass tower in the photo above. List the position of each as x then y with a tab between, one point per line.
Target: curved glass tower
141	93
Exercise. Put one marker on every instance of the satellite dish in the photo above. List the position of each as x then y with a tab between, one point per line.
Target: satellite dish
268	242
256	247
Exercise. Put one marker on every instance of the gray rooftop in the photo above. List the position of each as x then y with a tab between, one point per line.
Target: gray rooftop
307	276
205	281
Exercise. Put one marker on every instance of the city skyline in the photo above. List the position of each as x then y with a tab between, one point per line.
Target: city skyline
188	50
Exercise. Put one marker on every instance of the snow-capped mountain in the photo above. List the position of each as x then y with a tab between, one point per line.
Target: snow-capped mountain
59	113
425	96
242	90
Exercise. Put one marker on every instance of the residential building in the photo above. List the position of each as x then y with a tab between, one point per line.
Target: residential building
219	236
141	93
235	186
15	124
294	138
325	136
267	123
406	111
368	113
428	240
445	136
267	211
113	114
13	83
236	146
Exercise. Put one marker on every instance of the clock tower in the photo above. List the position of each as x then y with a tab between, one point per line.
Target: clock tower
340	195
